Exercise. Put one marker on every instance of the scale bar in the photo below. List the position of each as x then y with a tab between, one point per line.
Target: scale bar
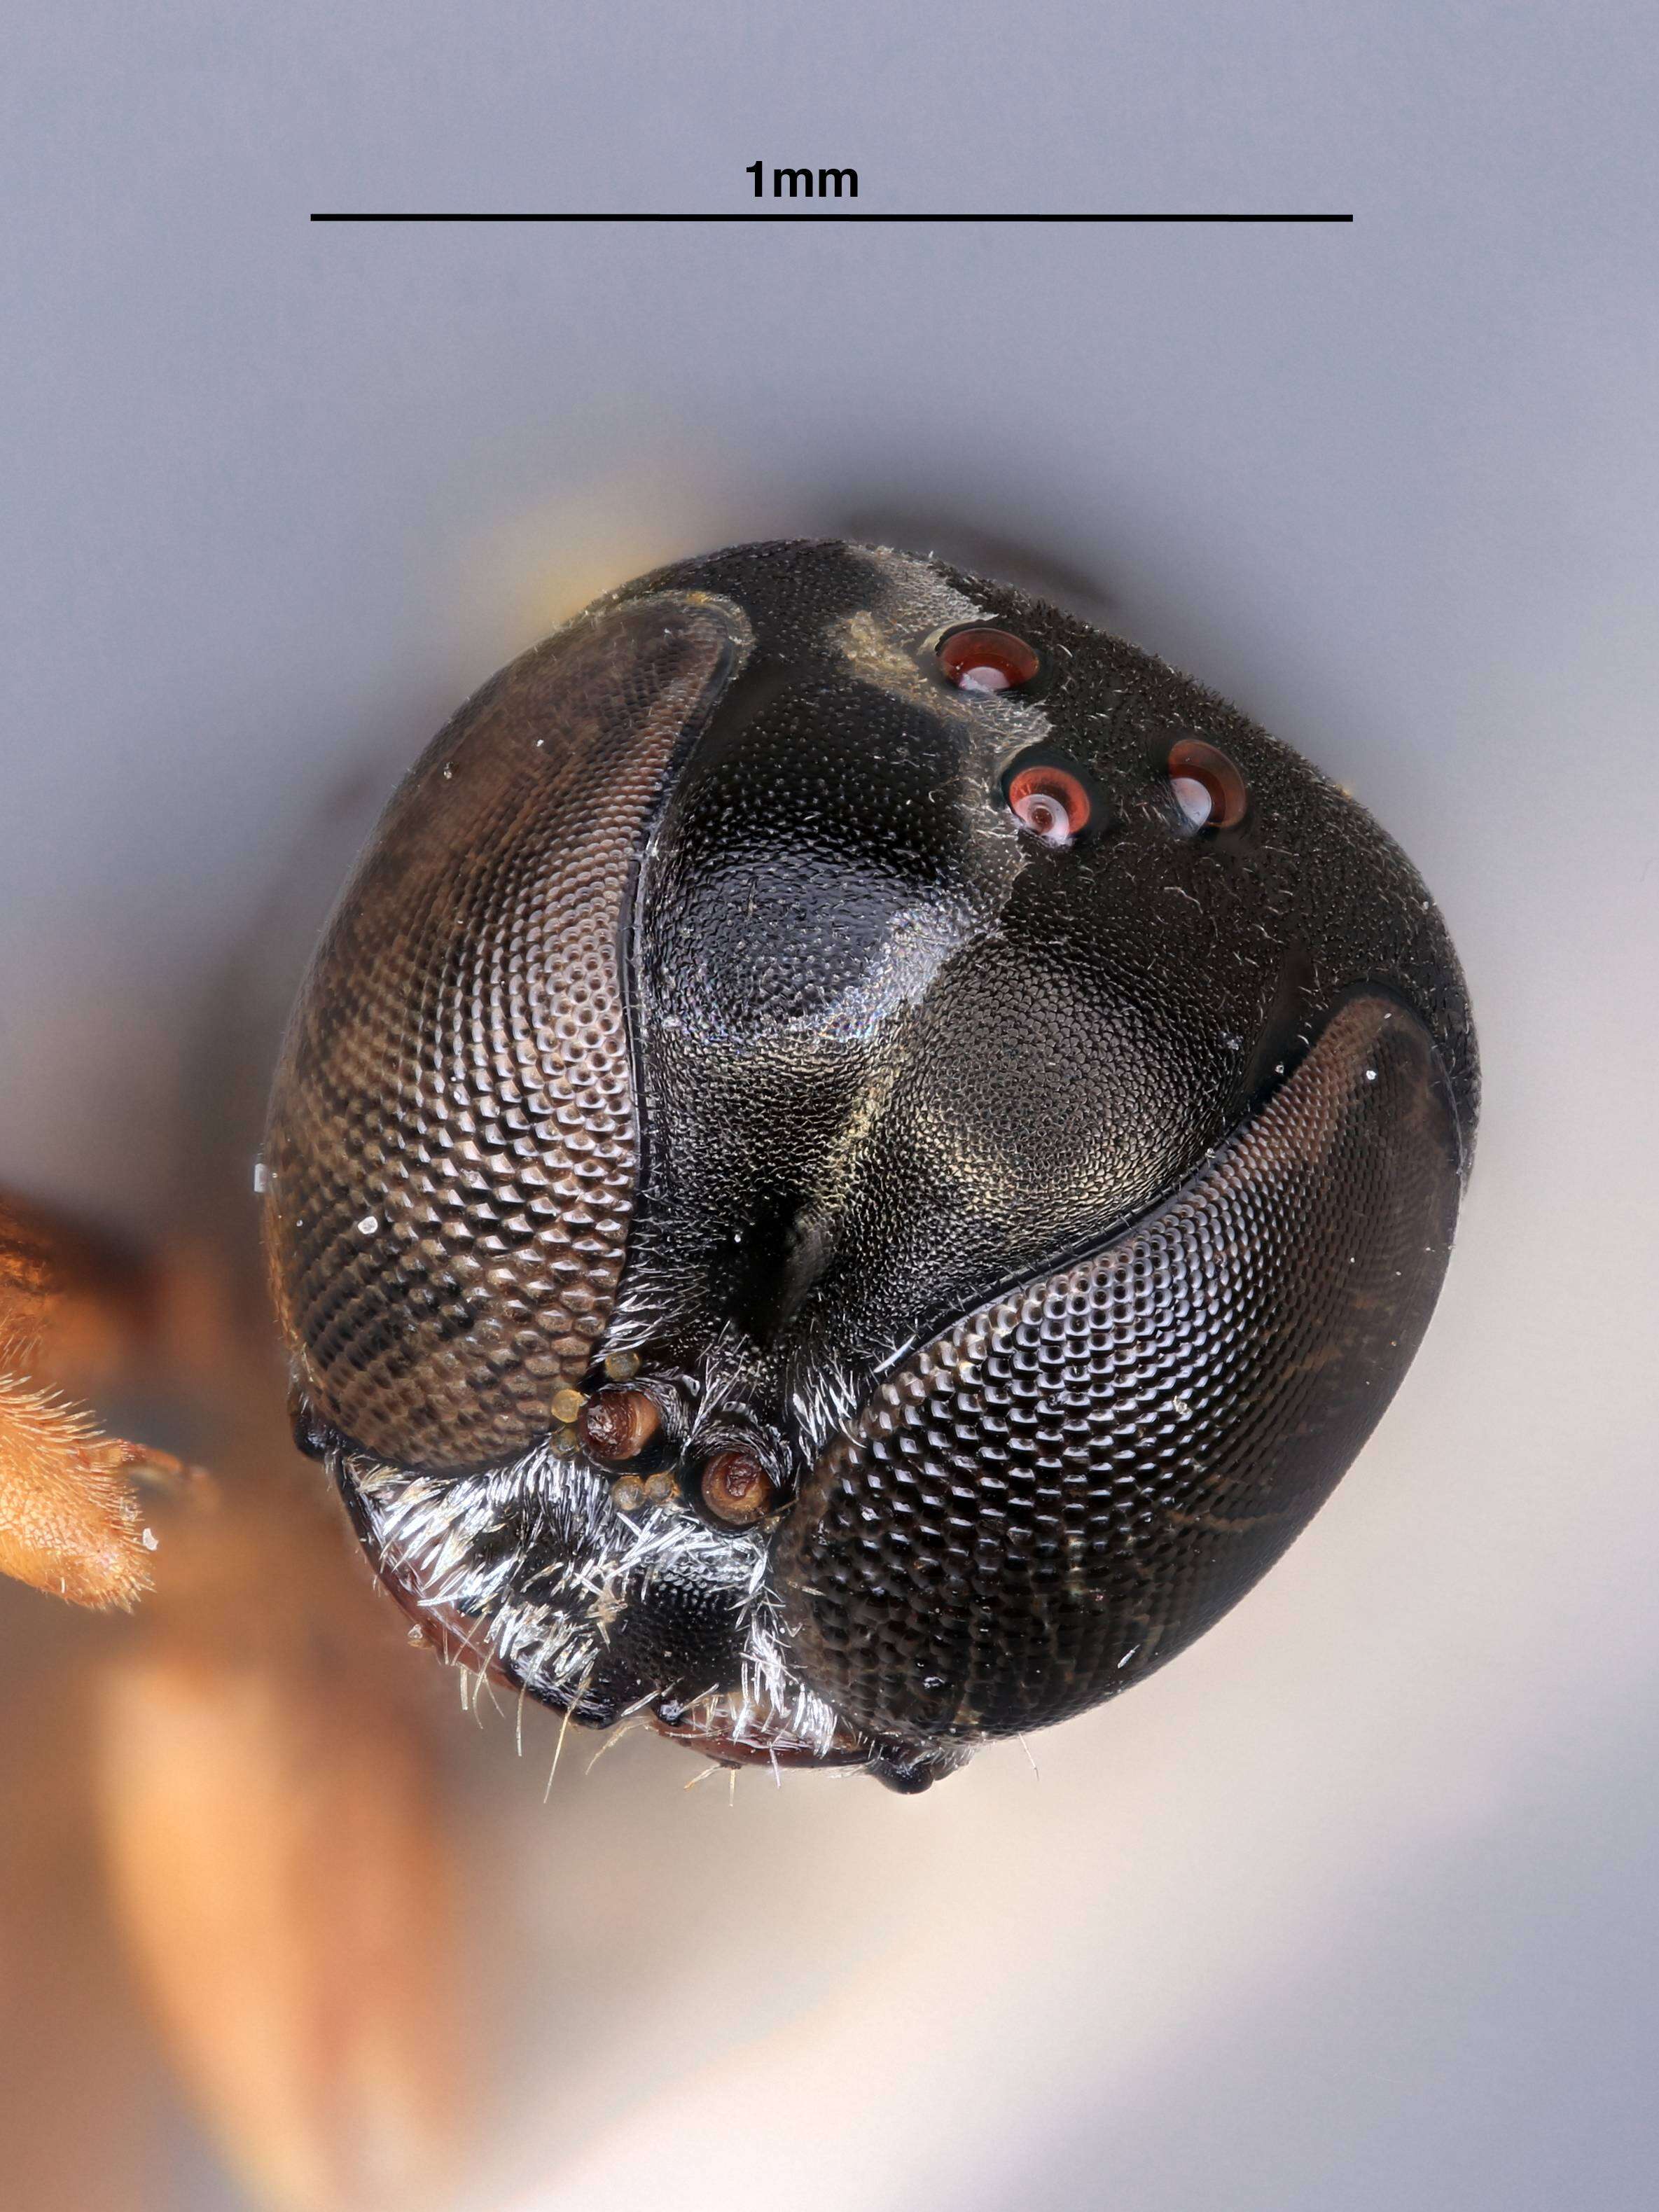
989	216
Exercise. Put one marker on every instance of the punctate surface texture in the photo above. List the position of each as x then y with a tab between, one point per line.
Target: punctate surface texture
1061	1491
456	1144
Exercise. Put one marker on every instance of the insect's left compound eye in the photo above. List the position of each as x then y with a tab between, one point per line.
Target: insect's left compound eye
1050	801
988	660
1072	1482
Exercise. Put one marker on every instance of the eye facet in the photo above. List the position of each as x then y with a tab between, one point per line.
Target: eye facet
737	1489
1050	801
988	660
1205	785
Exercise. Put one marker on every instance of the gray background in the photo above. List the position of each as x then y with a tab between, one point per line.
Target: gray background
1355	1906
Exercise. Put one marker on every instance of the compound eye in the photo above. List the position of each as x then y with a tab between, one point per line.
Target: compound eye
1050	801
988	660
436	1317
1075	1480
1205	785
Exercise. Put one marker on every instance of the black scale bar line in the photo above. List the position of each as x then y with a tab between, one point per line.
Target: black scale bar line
458	216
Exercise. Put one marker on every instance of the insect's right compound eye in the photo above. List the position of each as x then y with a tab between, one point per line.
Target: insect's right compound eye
452	1153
